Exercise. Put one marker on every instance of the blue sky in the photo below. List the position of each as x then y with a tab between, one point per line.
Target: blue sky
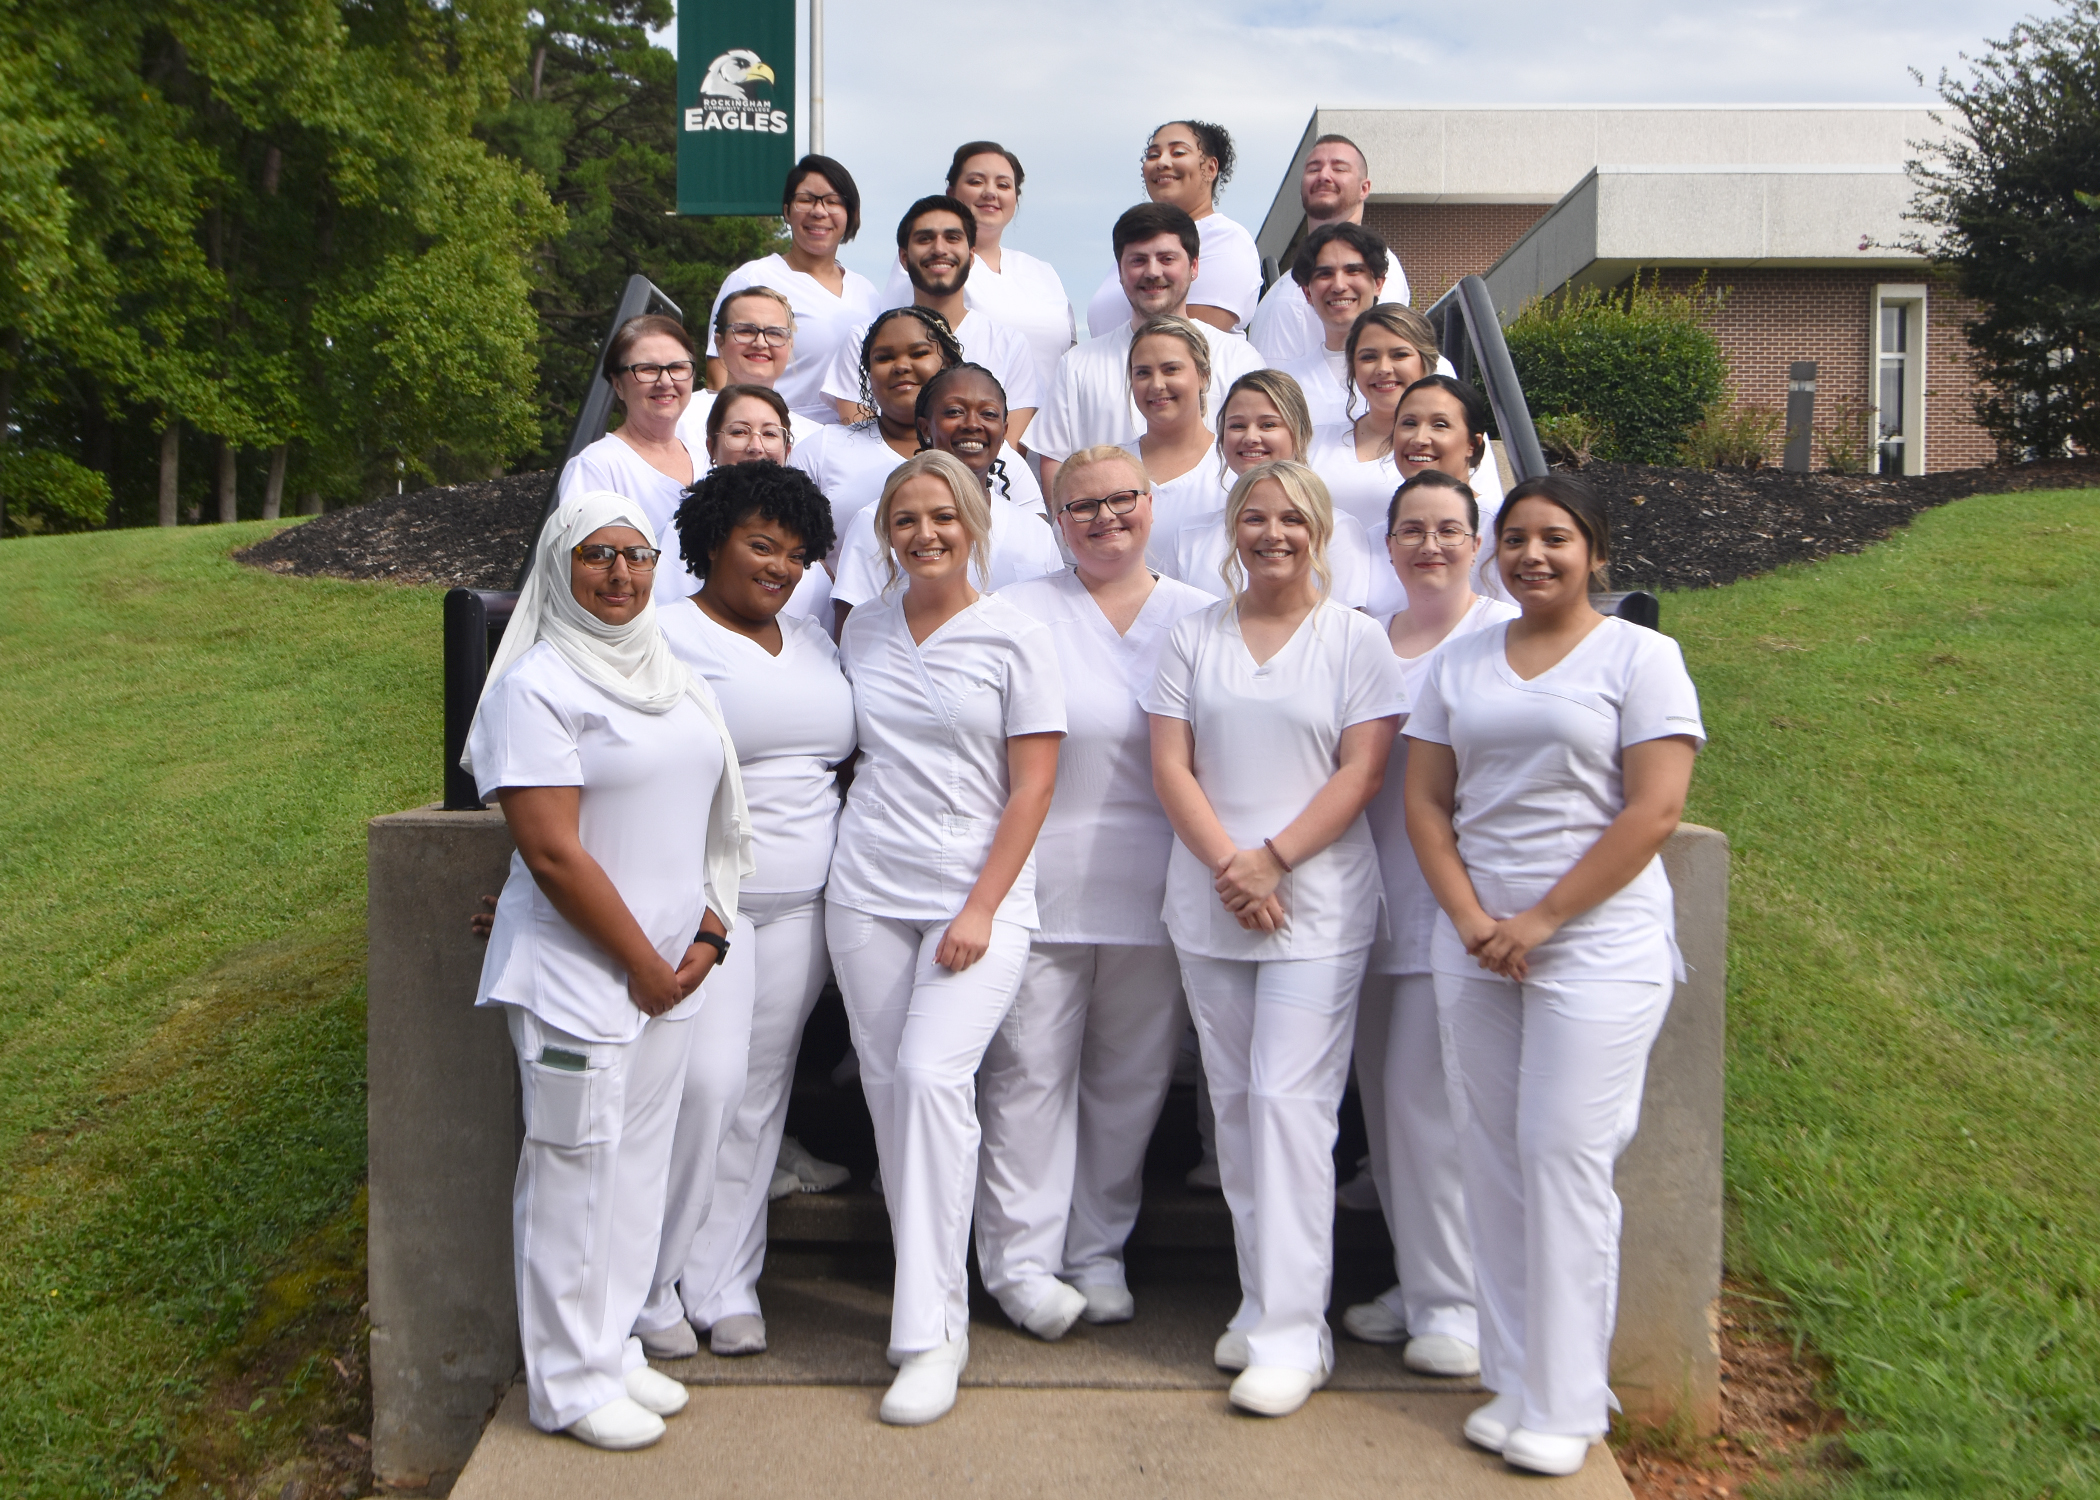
1073	88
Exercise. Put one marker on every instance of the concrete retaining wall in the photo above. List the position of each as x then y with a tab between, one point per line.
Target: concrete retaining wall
445	1135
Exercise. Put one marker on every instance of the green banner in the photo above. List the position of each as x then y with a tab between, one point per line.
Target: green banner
736	104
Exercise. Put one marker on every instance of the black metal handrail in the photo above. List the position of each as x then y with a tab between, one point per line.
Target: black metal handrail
641	296
1471	336
474	621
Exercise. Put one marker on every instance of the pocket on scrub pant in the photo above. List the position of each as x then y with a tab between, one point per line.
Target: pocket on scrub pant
566	1107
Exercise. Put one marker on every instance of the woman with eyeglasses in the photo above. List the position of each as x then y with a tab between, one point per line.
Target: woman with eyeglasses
1262	421
959	707
820	204
619	782
650	365
753	532
1272	717
1433	541
1441	426
1187	164
1071	1087
755	340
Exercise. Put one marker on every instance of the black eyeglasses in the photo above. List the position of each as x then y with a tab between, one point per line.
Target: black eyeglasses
751	333
680	371
1121	503
597	556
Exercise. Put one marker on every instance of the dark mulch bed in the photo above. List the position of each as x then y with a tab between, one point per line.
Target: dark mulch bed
1671	528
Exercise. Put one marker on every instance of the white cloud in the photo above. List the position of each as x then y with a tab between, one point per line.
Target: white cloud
1073	88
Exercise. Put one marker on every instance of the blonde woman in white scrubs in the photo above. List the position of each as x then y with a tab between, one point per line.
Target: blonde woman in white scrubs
651	367
620	785
1272	718
1073	1083
959	707
752	532
1433	541
1169	368
1550	760
1262	419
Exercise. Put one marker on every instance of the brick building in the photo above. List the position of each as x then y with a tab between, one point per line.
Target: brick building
1792	210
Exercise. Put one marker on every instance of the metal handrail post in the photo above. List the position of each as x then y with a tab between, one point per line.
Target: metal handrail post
1512	416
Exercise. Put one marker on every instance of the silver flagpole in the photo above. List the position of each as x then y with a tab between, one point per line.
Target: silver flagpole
816	77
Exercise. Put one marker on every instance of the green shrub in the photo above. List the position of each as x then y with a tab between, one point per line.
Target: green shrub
1732	437
1638	361
1570	438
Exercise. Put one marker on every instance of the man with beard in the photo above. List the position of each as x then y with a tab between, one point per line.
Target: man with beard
1333	187
1340	271
936	241
1157	248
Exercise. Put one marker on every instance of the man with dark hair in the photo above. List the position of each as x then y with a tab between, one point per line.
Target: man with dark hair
1158	251
1340	271
936	241
1333	186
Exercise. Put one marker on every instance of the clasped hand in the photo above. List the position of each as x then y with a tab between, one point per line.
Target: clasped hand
1246	883
1503	946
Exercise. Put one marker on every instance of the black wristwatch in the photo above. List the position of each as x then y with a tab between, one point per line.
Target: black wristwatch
714	940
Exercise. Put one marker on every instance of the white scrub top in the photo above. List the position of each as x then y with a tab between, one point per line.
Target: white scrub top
1228	275
849	465
1285	327
1540	779
1023	547
1410	907
609	464
646	784
812	597
933	722
791	719
1024	293
822	319
1266	741
1180	500
1090	402
1101	860
692	426
1201	544
1364	491
985	341
1319	374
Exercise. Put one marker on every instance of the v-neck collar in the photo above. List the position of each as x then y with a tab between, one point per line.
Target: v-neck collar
1502	655
1232	613
1099	616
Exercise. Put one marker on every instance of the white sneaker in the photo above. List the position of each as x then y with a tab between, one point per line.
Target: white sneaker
924	1390
737	1334
1204	1178
676	1342
1440	1354
784	1184
811	1175
619	1425
1230	1352
1373	1323
1488	1427
653	1392
1108	1304
1274	1390
1051	1318
1545	1452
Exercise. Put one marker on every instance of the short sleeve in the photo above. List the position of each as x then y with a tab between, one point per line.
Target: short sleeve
733	283
1050	434
1035	685
1349	560
1429	716
1023	386
1658	699
1229	276
860	575
842	380
1173	690
1372	687
522	737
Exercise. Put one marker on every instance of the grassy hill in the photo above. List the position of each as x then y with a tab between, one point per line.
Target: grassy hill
1904	754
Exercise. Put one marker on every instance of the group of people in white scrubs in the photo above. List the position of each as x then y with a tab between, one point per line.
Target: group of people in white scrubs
1163	702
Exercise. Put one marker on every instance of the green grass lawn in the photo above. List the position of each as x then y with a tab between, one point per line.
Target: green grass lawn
1903	754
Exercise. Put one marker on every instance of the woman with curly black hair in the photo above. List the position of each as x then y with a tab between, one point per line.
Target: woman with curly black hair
749	531
962	410
1187	164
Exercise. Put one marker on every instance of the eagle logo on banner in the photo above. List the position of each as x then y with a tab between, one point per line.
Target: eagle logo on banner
730	97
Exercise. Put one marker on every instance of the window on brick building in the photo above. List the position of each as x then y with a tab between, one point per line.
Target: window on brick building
1899	380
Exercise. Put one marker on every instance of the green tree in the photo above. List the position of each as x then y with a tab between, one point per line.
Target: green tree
2012	204
593	111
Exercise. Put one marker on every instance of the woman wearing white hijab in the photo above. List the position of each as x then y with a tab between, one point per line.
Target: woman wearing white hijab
620	785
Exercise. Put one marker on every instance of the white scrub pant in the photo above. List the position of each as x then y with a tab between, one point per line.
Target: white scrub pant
588	1207
1547	1080
1275	1038
1414	1156
920	1031
1070	1089
732	1116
